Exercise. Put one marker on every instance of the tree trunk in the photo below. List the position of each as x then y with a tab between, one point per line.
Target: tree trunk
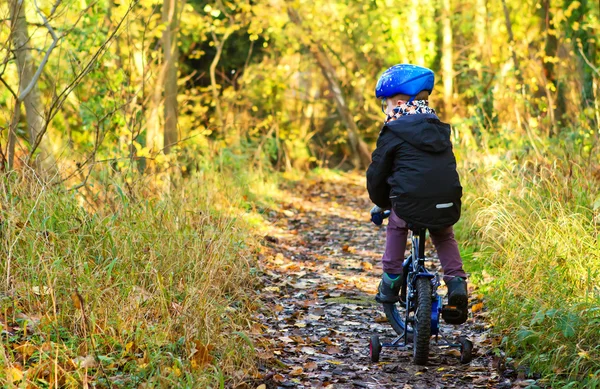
484	72
359	149
556	101
584	45
447	58
414	27
213	78
481	33
170	17
154	139
34	109
511	41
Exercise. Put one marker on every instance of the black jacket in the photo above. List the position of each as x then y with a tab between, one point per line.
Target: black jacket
414	171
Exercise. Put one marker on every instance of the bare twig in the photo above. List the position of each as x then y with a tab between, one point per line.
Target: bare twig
12	92
60	99
587	61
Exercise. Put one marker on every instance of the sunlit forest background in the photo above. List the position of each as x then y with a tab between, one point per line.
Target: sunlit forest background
121	120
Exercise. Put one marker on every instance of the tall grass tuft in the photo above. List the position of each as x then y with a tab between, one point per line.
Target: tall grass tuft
124	287
538	234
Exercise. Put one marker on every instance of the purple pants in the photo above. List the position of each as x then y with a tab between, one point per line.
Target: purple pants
443	240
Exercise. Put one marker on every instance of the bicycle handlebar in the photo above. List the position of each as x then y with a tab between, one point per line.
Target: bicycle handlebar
377	218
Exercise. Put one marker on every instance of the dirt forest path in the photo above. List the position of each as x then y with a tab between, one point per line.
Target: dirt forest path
321	269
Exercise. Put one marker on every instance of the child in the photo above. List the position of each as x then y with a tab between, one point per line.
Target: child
413	173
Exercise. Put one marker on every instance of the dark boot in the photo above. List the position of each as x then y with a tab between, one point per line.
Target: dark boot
388	289
456	311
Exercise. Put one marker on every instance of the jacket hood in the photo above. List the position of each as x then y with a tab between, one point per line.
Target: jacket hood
425	132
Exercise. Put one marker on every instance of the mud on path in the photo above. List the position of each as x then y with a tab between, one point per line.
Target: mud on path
321	269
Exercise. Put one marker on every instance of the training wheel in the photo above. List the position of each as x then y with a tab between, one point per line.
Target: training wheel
466	350
374	348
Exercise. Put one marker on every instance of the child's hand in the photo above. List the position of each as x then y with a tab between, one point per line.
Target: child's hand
378	214
376	209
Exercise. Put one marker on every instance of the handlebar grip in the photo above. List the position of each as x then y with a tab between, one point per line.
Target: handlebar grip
377	218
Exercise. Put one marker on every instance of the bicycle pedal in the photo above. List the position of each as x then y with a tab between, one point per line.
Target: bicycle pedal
453	315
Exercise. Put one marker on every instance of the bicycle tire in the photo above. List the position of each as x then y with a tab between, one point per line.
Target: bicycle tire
422	321
393	317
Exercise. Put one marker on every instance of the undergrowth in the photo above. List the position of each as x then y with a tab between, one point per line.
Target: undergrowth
533	222
132	281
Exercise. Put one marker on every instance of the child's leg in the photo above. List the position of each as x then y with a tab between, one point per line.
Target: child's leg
448	253
395	245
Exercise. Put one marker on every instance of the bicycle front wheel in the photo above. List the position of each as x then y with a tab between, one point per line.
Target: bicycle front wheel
422	321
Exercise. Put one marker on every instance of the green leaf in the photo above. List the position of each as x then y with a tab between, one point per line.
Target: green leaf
539	317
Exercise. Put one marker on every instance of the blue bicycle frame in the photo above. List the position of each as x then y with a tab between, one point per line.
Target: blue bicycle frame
413	270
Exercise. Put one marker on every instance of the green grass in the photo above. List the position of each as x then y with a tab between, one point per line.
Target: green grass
533	227
134	280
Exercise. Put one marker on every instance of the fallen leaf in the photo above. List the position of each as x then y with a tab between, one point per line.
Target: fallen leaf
279	259
278	378
308	303
477	307
14	374
298	370
326	340
266	355
349	249
318	312
261	386
310	366
85	362
201	354
77	300
308	350
44	290
272	289
331	350
26	349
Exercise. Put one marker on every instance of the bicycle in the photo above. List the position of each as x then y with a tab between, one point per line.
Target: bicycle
423	306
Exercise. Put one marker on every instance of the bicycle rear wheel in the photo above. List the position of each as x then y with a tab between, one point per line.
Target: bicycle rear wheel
422	321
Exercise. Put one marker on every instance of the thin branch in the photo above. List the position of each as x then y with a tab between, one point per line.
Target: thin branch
591	65
55	40
12	92
60	99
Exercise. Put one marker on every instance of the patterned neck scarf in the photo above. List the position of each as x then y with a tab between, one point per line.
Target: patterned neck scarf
410	108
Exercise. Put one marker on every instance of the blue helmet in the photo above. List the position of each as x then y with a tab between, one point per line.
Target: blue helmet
404	79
